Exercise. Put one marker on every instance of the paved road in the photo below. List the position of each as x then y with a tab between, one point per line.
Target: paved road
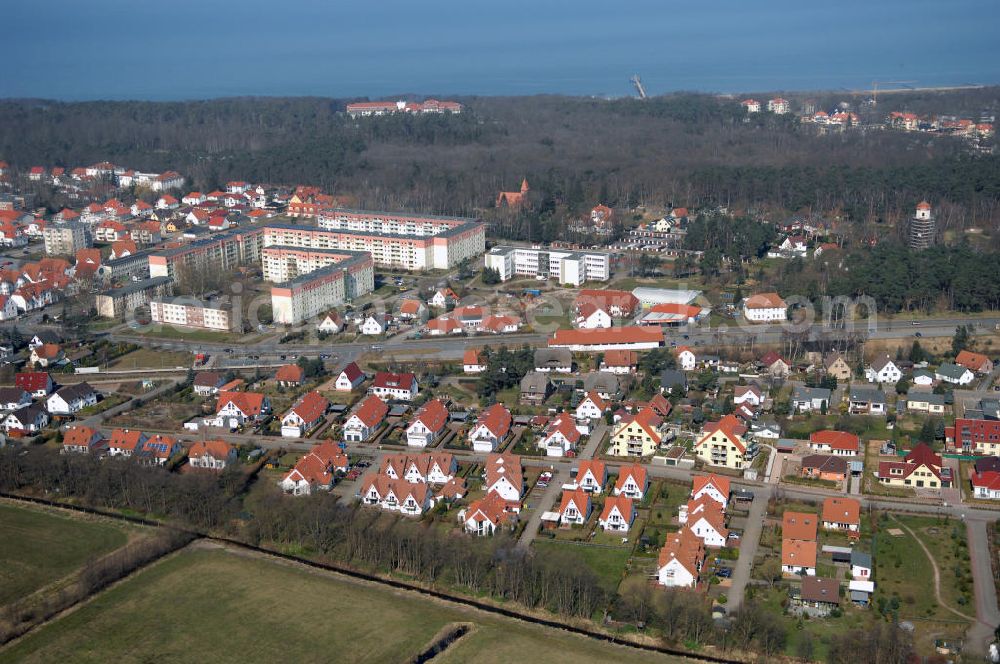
987	613
454	346
542	505
749	542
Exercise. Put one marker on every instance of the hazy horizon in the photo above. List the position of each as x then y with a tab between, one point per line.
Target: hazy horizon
187	50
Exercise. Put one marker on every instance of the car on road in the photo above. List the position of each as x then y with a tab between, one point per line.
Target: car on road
229	350
917	334
376	347
324	356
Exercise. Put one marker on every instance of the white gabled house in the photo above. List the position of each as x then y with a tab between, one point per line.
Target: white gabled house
617	515
71	399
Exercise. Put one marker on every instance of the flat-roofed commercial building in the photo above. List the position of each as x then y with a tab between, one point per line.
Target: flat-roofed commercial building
565	266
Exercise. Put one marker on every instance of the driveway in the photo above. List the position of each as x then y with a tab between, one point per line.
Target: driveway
594	441
987	613
543	504
749	542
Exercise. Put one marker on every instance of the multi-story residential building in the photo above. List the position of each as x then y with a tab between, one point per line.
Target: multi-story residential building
765	308
637	435
395	239
350	274
722	444
224	251
218	316
117	302
364	109
564	266
65	239
129	267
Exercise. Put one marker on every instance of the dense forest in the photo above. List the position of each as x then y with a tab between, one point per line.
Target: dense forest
684	149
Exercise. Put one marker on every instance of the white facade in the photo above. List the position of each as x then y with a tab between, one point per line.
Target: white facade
765	314
565	267
675	575
598	319
189	315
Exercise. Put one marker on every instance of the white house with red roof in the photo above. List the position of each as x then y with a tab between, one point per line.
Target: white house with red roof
591	476
707	520
561	437
484	516
350	378
680	560
307	413
590	316
443	297
473	361
985	485
126	442
617	515
332	323
765	308
838	443
233	409
592	407
401	386
632	481
427	467
715	487
751	105
365	420
778	106
82	439
503	474
491	429
315	470
575	507
212	454
428	425
396	495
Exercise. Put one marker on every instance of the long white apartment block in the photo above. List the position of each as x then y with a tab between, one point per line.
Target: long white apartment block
569	267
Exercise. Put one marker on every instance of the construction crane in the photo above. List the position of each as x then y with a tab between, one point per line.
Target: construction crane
875	85
639	87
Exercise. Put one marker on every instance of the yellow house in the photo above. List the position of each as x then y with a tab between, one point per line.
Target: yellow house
837	367
722	444
637	436
920	469
919	401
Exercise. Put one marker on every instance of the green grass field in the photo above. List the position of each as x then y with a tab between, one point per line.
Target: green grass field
147	358
39	548
212	605
608	563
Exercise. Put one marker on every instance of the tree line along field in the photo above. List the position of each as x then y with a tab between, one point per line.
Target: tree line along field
210	604
40	547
